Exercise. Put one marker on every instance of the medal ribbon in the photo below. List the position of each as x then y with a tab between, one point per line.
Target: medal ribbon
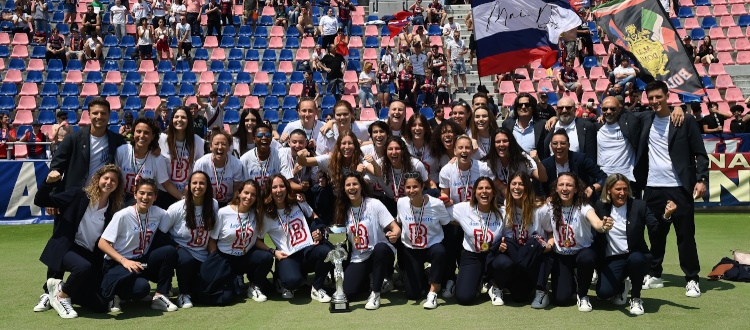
134	163
421	216
396	187
284	224
566	223
263	166
243	227
468	180
357	219
218	179
144	229
484	226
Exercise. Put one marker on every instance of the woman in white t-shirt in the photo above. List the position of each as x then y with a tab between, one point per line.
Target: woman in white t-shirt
83	214
366	79
177	10
130	263
482	128
234	241
243	139
145	34
379	133
389	187
574	259
344	120
422	218
345	158
138	160
300	248
482	225
525	259
371	231
506	157
417	136
396	117
225	171
189	223
443	143
182	148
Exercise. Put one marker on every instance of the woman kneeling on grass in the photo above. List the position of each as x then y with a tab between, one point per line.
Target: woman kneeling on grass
130	263
73	246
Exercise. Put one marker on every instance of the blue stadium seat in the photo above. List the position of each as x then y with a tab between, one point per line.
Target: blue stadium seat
372	18
57	17
168	90
229	31
74	65
185	90
434	30
270	113
676	22
278	78
297	77
133	103
72	117
109	89
114	54
149	114
234	66
291	43
38	52
260	90
5	52
590	62
709	22
182	66
316	11
246	31
289	114
353	64
94	77
189	78
707	82
173	101
222	89
269	67
280	128
227	42
357	31
64	29
133	77
46	117
216	66
278	90
17	64
22	130
328	102
685	12
744	21
235	54
552	98
127	41
286	55
317	77
110	66
269	55
697	34
702	2
132	112
109	40
129	90
197	42
260	32
427	112
244	42
243	78
224	77
201	54
54	65
86	102
69	89
7	103
260	43
129	65
233	104
49	103
231	117
292	32
129	51
372	42
50	89
114	119
384	32
70	103
265	21
115	128
383	114
252	55
164	67
34	77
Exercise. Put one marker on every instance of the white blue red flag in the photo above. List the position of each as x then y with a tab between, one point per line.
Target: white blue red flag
399	21
513	33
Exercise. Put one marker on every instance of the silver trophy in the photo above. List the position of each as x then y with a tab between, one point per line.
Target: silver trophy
339	304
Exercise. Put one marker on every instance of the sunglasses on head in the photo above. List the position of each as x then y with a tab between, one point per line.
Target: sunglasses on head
411	175
262	135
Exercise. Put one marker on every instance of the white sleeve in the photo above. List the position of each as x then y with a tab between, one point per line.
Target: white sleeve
238	174
441	214
172	215
200	151
532	162
306	209
218	225
484	170
113	229
286	168
445	178
419	167
384	217
323	162
543	215
161	169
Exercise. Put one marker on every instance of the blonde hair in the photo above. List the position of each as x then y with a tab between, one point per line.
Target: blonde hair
610	182
94	193
368	66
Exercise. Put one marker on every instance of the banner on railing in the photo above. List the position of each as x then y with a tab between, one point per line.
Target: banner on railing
19	181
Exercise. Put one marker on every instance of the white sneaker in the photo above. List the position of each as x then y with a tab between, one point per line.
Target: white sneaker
650	282
162	303
387	285
63	306
636	306
485	287
622	298
450	288
431	302
179	58
285	293
183	301
584	305
43	304
254	293
496	296
692	289
373	302
114	305
320	295
541	299
52	285
594	278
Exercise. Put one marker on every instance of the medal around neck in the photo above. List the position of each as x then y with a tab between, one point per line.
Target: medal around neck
339	304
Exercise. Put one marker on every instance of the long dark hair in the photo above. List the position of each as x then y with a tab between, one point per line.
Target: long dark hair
491	123
437	149
256	207
406	166
493	202
406	131
155	130
336	165
269	207
579	198
208	204
343	203
515	153
241	132
527	203
189	137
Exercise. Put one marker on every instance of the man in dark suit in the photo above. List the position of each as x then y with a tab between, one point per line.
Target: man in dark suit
563	160
581	131
676	169
529	132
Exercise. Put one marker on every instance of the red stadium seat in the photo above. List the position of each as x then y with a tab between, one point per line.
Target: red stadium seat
147	90
723	45
371	31
597	72
113	77
539	74
23	117
599	50
205	89
545	85
261	78
436	40
74	76
716	69
526	86
506	87
737	10
716	33
151	77
351	89
199	66
29	89
508	99
211	42
691	23
348	98
743	57
152	103
20	39
91	65
370	54
20	151
727	21
601	85
350	76
355	42
27	103
368	114
114	103
276	31
13	76
286	67
720	10
713	94
703	11
295	90
674	99
2	64
725	58
20	51
218	54
724	81
241	90
146	66
586	85
303	54
741	44
275	43
207	77
307	43
734	94
251	102
268	11
735	32
89	89
251	67
4	39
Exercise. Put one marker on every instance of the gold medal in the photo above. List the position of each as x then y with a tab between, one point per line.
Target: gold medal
567	243
356	240
485	247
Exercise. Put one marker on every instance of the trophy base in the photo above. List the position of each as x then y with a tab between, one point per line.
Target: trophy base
339	307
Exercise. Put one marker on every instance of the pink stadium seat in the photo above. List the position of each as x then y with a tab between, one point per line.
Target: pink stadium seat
737	10
368	114
23	117
720	10
204	20
719	2
191	100
436	40
20	39
29	89
218	54
741	44
601	85
261	78
703	11
599	50
371	31
725	58
539	74
251	67
89	89
2	64
723	45
592	95
130	28
4	39
508	99
36	64
286	67
355	42
701	70
13	76
586	85
673	99
597	72
199	66
506	87
276	31
348	98
47	129
147	90
743	57
735	32
724	81
731	2
294	90
19	51
92	65
734	94
268	11
716	69
152	102
682	33
686	3
545	85
307	43
384	42
21	151
27	103
370	54
146	66
351	89
716	33
691	23
359	12
644	98
303	54
207	77
211	42
727	21
523	72
114	103
113	77
251	102
151	77
526	86
350	76
275	43
358	20
74	77
713	94
241	90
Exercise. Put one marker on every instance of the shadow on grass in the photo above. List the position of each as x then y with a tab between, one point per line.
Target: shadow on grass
130	310
706	285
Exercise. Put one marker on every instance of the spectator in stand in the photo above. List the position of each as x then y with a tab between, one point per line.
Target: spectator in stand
689	48
192	15
328	28
7	134
450	27
118	17
59	130
282	18
75	46
616	90
99	7
184	39
436	13
333	65
435	61
366	79
213	19
163	36
443	90
126	130
214	109
739	123
625	75
402	57
177	10
705	53
315	58
581	132
418	61
250	11
417	13
388	60
666	4
294	11
456	51
588	111
406	85
697	112
428	87
21	22
418	36
385	78
41	15
305	23
199	121
56	48
35	151
345	14
342	44
162	117
69	11
140	10
543	109
584	34
227	12
94	46
613	62
310	87
714	122
469	20
25	6
145	33
567	79
158	11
